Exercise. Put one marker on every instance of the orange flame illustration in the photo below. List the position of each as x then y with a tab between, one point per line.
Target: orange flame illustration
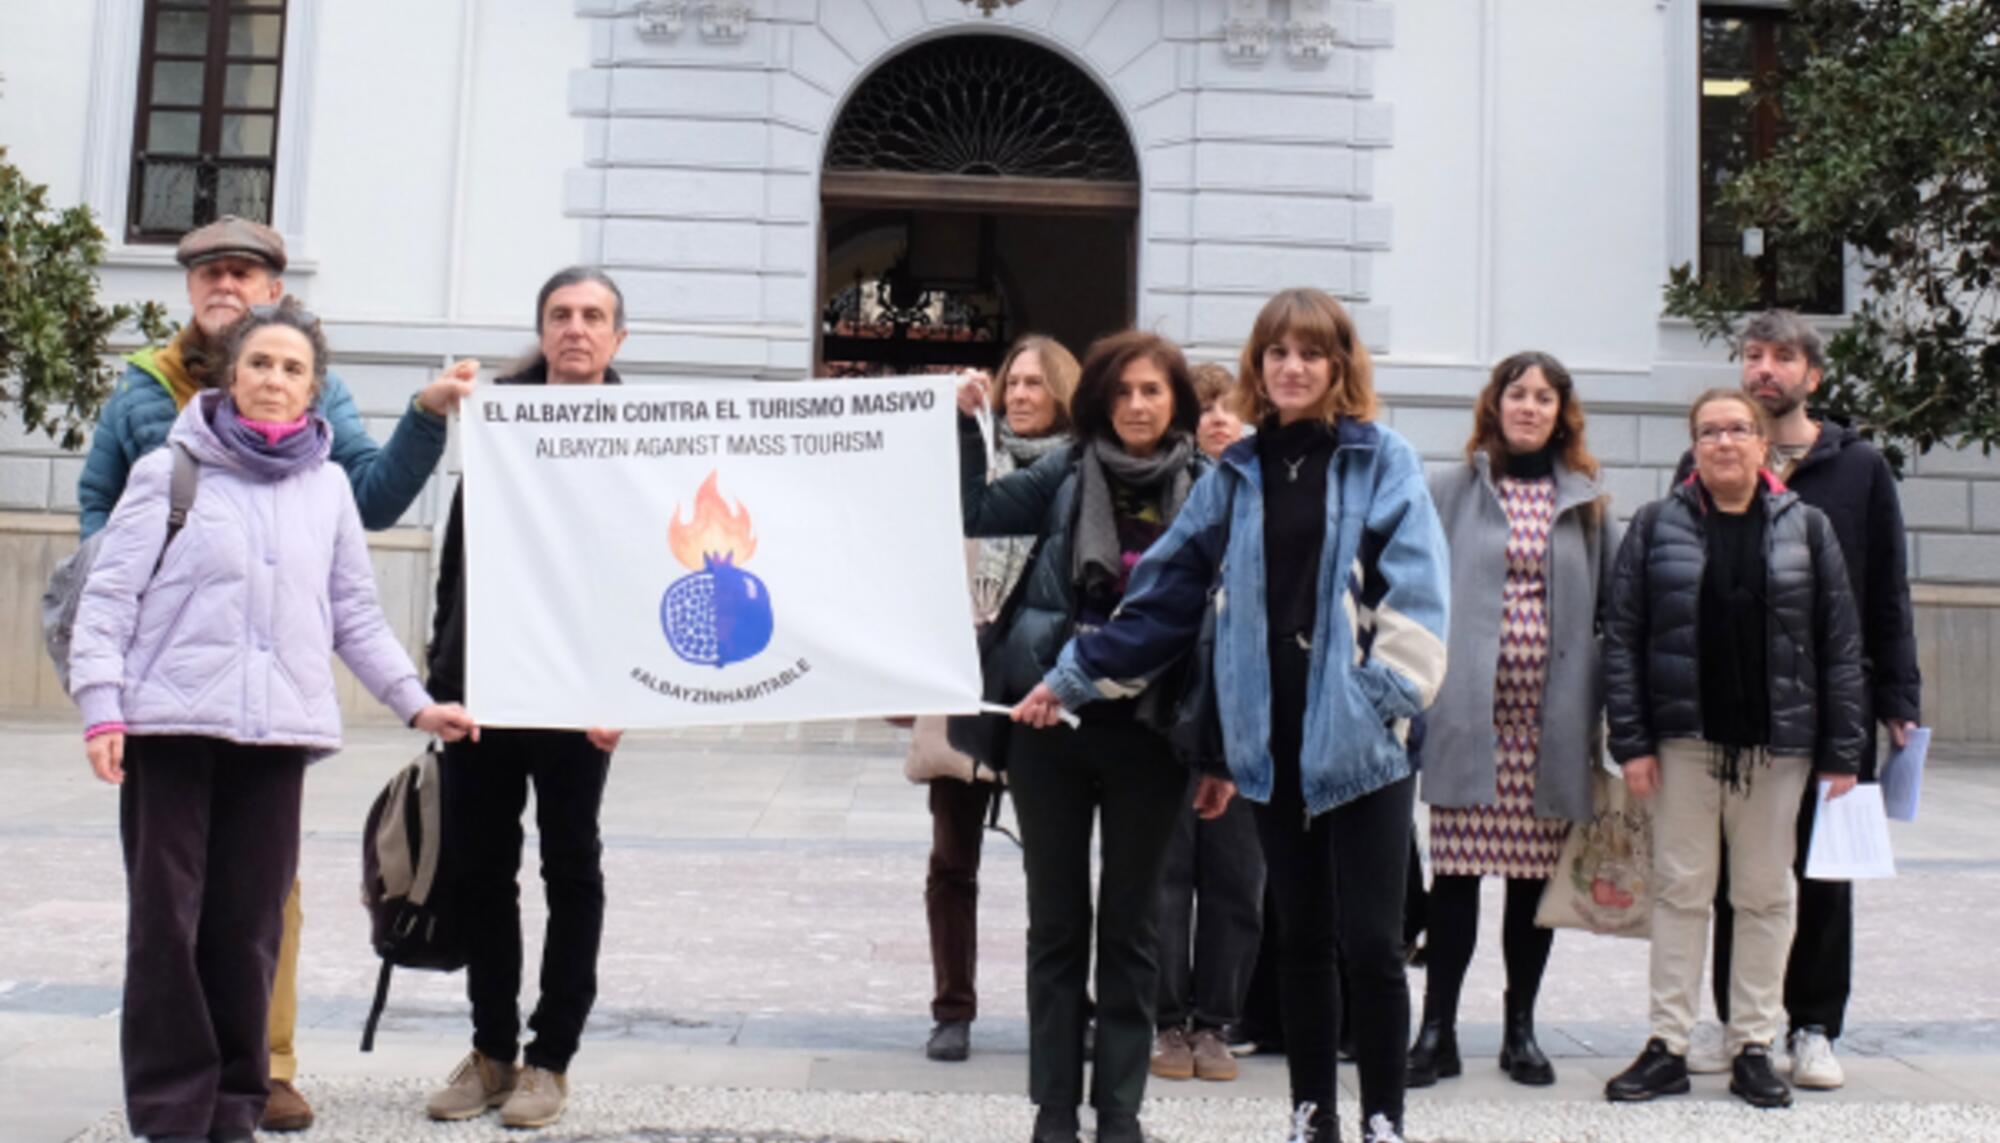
717	530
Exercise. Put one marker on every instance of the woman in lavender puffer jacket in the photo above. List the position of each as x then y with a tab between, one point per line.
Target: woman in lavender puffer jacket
202	663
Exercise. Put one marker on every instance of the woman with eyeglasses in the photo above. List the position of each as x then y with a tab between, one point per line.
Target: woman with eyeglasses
1733	677
202	663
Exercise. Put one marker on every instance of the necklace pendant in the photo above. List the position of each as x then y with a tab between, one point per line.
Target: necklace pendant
1292	469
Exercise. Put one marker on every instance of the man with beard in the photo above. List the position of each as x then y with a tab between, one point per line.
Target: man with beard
1835	471
232	265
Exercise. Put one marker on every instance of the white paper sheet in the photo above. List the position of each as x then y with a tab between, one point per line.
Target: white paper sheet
1903	775
1850	838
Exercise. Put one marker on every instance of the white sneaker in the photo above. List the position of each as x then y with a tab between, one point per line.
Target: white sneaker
1302	1123
1380	1130
1705	1056
1813	1062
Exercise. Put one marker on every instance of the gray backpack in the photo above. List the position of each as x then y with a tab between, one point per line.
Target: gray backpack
65	588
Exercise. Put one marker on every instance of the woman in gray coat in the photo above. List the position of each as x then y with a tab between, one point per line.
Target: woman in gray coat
1517	727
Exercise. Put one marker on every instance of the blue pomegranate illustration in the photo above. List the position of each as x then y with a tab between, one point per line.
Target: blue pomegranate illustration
719	614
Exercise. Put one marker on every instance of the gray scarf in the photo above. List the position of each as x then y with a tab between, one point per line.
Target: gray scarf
1020	451
1167	474
1002	559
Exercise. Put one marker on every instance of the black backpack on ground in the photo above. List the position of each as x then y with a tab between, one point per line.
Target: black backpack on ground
401	847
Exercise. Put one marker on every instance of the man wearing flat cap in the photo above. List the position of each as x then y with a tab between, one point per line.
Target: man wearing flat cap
232	265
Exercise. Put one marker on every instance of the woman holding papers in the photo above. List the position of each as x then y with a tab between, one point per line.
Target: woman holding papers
1733	673
1329	639
1095	505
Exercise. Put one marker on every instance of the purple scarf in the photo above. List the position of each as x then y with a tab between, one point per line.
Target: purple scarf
268	452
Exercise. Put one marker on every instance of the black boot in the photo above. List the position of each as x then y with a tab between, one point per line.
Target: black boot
1754	1079
1434	1056
1118	1127
1656	1072
1055	1125
950	1042
1520	1057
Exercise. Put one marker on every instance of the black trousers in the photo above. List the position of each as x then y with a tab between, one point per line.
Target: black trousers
1819	974
951	894
211	839
1065	784
1211	915
1339	883
485	791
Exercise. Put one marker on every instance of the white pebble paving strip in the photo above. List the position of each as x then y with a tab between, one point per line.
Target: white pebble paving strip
373	1111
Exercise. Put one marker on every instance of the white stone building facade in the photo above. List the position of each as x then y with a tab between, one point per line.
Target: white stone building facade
1472	177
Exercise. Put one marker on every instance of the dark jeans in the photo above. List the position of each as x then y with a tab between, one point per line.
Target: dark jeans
1454	934
1819	974
1064	783
951	894
485	791
1213	896
211	838
1339	882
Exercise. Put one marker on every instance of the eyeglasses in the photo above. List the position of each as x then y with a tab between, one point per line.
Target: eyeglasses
1716	434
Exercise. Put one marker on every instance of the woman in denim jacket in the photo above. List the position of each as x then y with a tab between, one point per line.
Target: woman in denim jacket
1330	628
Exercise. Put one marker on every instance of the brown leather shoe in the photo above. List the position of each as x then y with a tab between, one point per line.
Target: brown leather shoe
285	1109
1212	1060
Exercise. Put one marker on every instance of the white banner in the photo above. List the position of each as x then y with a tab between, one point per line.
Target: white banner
696	554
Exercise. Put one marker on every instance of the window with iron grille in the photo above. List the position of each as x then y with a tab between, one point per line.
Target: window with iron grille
205	142
1745	54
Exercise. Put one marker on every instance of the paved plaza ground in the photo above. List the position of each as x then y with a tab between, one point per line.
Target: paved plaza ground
766	972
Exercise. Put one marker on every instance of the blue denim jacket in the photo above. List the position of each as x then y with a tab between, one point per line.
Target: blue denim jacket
1378	653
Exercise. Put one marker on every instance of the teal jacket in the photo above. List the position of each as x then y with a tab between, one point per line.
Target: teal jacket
386	478
1378	647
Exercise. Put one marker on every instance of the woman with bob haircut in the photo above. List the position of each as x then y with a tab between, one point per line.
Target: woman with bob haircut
1329	639
1510	746
1096	505
1029	414
1733	678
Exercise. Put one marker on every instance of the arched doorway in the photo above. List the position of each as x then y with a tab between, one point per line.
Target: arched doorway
974	188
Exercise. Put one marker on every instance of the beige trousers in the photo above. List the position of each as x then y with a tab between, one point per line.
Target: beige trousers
285	993
1693	814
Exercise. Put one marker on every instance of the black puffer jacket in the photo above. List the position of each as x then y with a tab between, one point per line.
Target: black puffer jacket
1848	479
1652	645
1040	500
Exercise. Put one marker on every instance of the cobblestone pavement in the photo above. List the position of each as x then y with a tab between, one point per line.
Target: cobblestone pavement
766	972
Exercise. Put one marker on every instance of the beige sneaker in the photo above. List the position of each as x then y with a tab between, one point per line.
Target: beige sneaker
1212	1060
538	1099
1172	1058
476	1085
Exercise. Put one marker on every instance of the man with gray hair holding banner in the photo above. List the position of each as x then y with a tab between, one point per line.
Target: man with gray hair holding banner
580	324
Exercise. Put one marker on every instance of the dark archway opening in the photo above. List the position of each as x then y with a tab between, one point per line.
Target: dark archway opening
975	188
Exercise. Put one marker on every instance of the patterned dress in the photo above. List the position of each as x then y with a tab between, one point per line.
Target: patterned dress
1506	839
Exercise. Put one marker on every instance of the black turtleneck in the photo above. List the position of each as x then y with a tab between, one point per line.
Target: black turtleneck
1530	465
1294	461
